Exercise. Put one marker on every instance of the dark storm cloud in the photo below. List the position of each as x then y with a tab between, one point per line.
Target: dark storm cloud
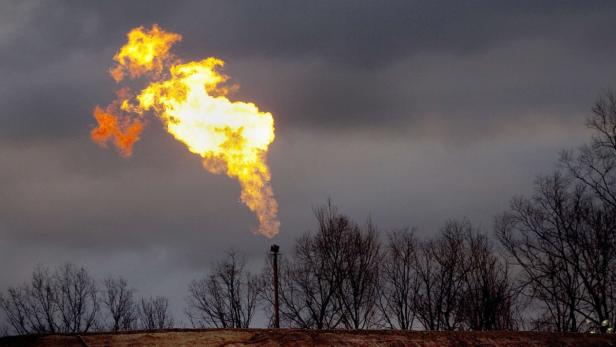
324	64
348	32
412	112
370	34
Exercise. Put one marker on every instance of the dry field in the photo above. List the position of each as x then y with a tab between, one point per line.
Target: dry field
291	337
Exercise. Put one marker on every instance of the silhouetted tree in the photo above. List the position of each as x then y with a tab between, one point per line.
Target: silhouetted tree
594	165
311	278
293	308
77	299
399	282
119	302
358	292
540	234
564	239
154	313
330	279
462	283
595	258
320	265
32	308
227	298
489	299
442	267
64	301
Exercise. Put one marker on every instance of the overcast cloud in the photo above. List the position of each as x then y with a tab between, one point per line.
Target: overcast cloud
411	113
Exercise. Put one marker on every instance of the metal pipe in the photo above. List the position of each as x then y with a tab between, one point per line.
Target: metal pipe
275	249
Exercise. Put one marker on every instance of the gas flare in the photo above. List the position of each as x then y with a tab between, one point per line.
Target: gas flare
191	100
145	52
124	133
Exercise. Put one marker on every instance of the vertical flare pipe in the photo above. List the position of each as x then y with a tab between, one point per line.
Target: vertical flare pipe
275	249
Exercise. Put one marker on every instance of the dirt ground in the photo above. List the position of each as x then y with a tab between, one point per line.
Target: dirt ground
293	337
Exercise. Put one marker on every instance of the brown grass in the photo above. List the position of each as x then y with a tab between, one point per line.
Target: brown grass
294	337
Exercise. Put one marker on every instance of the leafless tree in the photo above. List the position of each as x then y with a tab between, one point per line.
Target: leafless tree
311	277
154	313
40	301
77	299
542	234
399	281
489	301
318	268
461	283
594	167
358	291
64	301
17	308
12	304
442	267
330	278
227	298
33	308
293	309
595	163
119	302
594	254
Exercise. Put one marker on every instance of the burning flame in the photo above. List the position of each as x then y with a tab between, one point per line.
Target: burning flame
190	98
145	52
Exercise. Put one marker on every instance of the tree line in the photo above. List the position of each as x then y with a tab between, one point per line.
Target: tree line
69	300
549	263
343	276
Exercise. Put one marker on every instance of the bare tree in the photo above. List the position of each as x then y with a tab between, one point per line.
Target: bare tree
32	308
310	281
154	313
489	301
594	255
540	233
594	167
330	279
595	163
119	302
227	298
17	309
293	309
399	282
40	301
63	301
455	281
358	292
442	267
77	299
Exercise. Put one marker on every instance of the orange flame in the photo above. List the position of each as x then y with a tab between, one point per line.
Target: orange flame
145	51
124	133
231	136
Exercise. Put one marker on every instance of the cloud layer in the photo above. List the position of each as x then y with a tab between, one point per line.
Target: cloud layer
412	113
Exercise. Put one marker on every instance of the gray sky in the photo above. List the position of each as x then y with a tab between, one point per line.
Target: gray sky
411	113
